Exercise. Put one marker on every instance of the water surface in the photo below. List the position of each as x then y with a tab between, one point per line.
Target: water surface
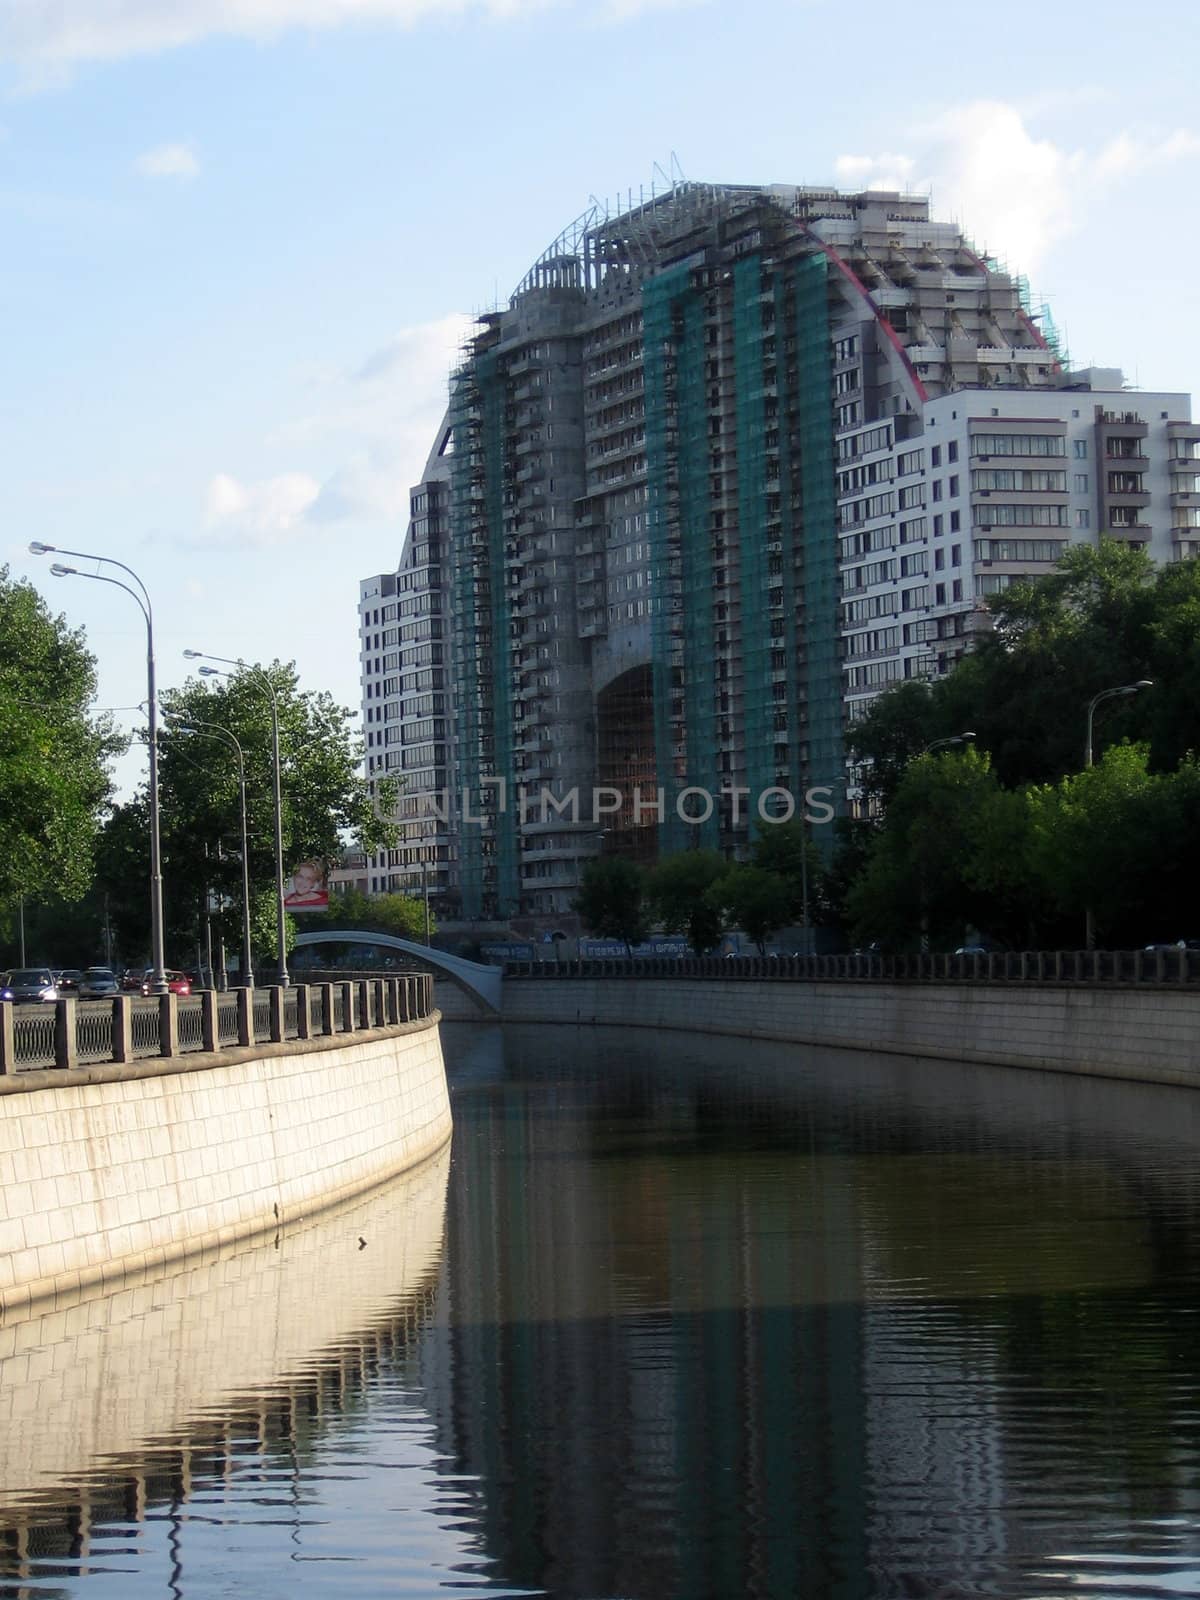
681	1317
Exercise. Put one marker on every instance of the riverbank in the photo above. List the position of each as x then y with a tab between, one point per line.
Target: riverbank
108	1172
1147	1035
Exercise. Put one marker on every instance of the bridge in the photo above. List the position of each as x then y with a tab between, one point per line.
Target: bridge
482	983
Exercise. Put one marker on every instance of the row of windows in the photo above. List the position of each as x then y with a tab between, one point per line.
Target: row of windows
1019	444
862	477
872	643
867	543
1026	480
1022	516
1020	549
867	609
865	444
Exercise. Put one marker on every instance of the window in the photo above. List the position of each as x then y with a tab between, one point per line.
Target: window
953	490
937	488
952	450
935	456
1021	444
937	527
939	560
956	555
915	565
955	521
1079	449
1083	519
1081	483
958	589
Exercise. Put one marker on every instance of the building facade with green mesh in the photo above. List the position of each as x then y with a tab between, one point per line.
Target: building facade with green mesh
684	501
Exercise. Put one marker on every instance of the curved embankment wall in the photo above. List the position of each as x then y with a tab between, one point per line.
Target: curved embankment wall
116	1170
1150	1034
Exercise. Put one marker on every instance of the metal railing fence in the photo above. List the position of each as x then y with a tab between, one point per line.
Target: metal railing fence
1169	966
75	1033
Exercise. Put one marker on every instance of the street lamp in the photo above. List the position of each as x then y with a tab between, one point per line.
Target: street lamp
1121	691
213	730
1110	694
158	980
954	738
258	673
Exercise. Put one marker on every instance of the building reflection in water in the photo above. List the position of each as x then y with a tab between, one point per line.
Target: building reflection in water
779	1324
709	1319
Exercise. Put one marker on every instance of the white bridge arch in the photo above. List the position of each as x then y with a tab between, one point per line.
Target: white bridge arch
483	983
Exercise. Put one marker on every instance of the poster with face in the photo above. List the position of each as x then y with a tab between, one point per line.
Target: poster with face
306	889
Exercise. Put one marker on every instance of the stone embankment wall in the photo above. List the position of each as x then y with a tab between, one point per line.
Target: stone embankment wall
107	1172
1149	1034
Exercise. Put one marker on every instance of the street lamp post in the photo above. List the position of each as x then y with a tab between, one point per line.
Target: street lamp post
954	738
158	980
214	730
283	977
1119	692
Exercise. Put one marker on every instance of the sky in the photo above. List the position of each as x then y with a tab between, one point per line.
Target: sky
241	241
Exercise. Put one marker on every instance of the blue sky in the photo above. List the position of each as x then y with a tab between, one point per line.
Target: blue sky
242	239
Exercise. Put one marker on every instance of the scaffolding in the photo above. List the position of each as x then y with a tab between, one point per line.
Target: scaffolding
825	767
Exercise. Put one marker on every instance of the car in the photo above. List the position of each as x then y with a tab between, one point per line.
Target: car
29	984
131	979
177	982
67	981
972	950
98	983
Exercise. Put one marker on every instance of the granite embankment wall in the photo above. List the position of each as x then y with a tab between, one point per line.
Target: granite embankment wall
110	1171
1149	1034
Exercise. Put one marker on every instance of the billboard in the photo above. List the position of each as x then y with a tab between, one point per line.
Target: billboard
306	889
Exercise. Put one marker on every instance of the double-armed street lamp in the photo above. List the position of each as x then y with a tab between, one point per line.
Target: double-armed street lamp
262	678
158	979
214	730
1119	692
951	739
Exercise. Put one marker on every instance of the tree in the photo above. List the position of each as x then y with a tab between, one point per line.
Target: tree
324	799
400	914
678	890
757	901
1105	616
789	850
54	772
949	855
610	901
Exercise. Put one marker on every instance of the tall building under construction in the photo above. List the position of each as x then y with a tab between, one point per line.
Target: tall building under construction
697	484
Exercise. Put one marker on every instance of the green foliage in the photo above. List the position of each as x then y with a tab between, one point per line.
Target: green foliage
1105	616
678	892
611	900
757	900
54	777
789	850
400	914
949	856
324	800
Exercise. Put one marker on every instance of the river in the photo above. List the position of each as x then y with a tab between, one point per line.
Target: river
678	1317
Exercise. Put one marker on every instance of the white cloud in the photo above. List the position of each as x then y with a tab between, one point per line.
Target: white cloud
168	161
42	37
375	423
265	512
1012	191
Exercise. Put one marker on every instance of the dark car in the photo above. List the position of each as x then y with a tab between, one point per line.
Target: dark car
98	983
131	979
29	983
68	979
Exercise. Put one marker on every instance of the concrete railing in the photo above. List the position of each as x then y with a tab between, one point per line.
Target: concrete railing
74	1033
1169	967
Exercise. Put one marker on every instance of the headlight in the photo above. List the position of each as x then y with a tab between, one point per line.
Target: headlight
7	995
48	994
